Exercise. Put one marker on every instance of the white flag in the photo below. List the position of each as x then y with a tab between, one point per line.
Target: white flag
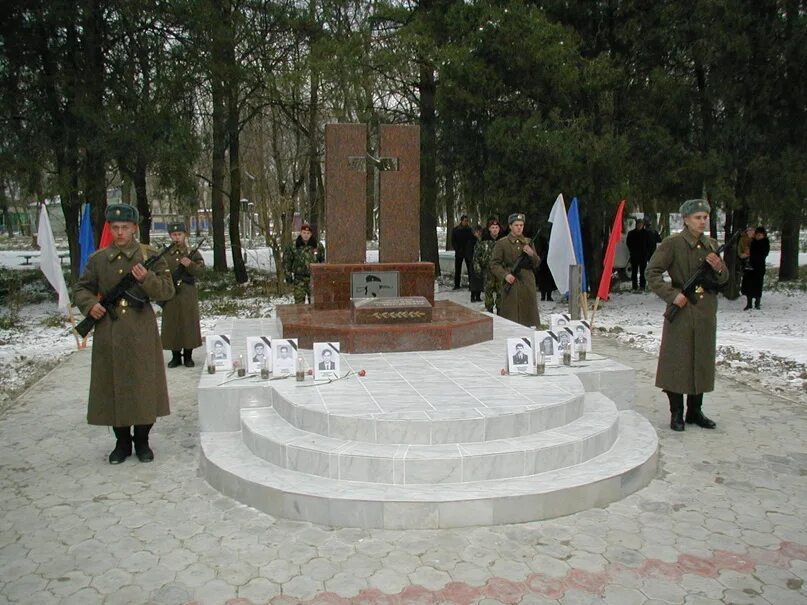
49	259
561	248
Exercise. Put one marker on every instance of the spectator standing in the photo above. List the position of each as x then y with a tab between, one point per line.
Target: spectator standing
461	235
638	246
754	275
744	246
297	263
475	278
543	276
482	256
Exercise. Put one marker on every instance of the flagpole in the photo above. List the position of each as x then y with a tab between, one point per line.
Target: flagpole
594	311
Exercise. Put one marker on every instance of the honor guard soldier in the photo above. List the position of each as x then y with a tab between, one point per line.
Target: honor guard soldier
686	361
181	332
127	382
297	263
513	262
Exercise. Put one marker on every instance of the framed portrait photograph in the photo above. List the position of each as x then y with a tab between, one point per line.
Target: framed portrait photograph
546	344
559	320
284	356
582	334
520	358
259	354
565	341
219	349
326	360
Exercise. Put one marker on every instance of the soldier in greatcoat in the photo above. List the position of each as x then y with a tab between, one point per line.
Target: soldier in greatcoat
520	303
686	364
127	383
181	332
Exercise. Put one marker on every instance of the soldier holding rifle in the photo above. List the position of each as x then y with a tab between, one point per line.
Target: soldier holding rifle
181	332
513	263
686	364
127	383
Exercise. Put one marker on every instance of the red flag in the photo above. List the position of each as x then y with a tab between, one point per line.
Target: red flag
608	262
106	237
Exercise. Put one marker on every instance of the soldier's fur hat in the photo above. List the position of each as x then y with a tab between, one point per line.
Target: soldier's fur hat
172	227
122	213
515	217
693	206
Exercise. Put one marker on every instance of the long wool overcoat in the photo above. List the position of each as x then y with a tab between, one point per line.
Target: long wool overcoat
521	303
686	362
127	383
180	323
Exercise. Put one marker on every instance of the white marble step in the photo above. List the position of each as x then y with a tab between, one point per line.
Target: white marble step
507	407
270	437
229	466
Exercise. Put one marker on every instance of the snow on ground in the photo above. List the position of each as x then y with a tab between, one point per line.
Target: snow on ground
766	349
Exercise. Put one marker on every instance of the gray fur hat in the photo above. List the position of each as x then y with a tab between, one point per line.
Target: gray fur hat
123	213
692	206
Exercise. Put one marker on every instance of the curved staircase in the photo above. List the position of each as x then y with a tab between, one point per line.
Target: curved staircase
425	439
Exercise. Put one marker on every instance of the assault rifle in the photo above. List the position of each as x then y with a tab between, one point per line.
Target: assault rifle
118	291
522	262
697	279
180	274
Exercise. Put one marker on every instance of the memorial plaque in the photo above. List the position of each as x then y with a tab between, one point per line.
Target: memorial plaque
374	284
400	309
399	203
345	193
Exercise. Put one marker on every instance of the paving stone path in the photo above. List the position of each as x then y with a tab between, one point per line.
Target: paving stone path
724	521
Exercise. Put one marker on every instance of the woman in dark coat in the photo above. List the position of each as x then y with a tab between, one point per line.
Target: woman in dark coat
754	273
686	363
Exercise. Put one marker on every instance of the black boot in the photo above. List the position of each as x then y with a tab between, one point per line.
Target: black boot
756	304
676	411
123	445
141	442
188	355
695	414
748	304
176	359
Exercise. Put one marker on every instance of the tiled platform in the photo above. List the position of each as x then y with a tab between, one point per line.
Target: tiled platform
425	439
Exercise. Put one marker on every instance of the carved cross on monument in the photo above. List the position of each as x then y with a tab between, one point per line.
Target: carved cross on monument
346	161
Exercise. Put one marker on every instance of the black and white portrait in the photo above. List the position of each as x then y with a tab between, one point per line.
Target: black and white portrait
259	354
546	346
218	347
327	360
520	357
582	334
284	356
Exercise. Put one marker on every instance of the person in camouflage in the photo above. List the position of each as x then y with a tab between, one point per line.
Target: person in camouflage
297	262
482	255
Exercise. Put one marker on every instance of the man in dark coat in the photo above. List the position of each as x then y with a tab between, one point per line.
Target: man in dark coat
519	299
127	381
686	363
638	246
461	238
181	332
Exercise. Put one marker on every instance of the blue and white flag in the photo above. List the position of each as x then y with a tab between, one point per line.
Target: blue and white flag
577	239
